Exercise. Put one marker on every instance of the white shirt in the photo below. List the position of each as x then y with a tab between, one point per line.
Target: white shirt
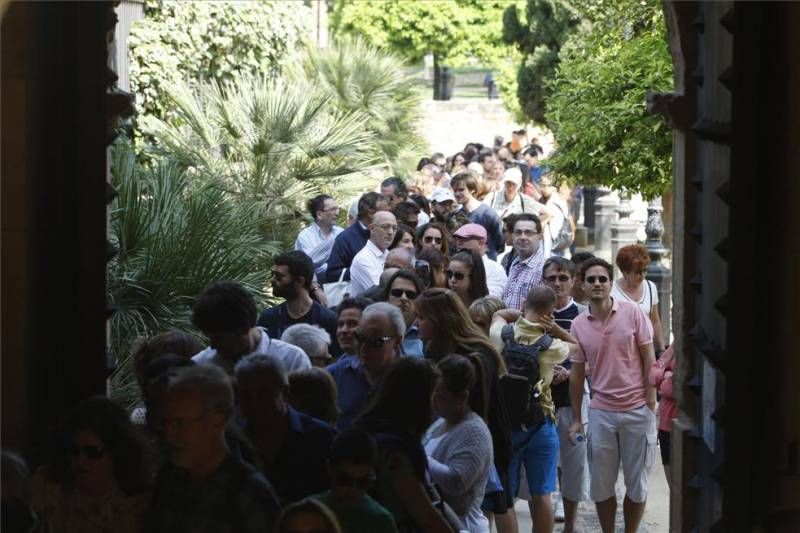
646	302
553	226
521	203
293	357
316	245
366	268
496	277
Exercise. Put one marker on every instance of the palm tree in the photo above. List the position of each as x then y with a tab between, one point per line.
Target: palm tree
367	80
174	238
272	141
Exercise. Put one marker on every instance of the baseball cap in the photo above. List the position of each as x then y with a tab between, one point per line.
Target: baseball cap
442	194
470	231
514	175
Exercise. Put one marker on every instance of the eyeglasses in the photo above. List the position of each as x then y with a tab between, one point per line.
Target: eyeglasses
389	228
431	239
95	453
359	482
398	293
562	278
373	342
597	279
526	232
459	276
331	209
277	275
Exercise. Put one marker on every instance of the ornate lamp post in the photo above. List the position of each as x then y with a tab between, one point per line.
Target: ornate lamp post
657	271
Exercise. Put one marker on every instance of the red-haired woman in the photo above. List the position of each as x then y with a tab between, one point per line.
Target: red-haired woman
632	287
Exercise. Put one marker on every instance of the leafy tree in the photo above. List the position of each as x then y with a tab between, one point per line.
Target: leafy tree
275	142
363	79
452	30
174	237
597	108
209	41
539	37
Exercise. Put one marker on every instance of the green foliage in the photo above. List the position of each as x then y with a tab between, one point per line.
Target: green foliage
274	142
597	109
539	37
365	80
174	238
452	30
198	41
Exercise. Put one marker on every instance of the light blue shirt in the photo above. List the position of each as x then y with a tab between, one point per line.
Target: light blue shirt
316	245
412	344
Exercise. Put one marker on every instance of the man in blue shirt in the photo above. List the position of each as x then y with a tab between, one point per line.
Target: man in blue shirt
292	446
465	187
291	279
349	242
402	289
379	339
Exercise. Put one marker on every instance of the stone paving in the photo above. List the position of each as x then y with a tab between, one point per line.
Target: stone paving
656	514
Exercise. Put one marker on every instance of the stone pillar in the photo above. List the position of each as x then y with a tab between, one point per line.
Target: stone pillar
590	195
605	216
623	231
657	271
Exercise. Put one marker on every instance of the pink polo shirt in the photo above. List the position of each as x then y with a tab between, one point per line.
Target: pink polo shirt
611	354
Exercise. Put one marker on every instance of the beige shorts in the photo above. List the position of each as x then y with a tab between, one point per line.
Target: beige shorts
572	457
628	437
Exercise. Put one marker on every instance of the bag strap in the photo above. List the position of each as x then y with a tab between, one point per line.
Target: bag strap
521	203
507	334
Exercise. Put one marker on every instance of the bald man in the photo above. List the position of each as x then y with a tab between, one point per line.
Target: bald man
365	272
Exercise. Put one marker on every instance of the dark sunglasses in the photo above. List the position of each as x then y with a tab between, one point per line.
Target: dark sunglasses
360	482
594	279
561	277
374	342
431	239
95	453
458	275
398	293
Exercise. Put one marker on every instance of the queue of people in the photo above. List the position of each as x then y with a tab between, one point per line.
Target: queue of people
434	361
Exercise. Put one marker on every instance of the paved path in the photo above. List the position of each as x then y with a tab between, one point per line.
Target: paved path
656	514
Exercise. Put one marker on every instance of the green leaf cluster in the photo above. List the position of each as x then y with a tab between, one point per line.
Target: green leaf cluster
453	30
597	108
174	236
538	37
364	80
196	41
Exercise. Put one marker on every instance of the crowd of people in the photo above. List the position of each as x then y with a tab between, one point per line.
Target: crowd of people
443	355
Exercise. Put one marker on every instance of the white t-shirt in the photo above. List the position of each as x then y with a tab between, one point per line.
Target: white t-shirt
293	357
646	302
366	268
496	277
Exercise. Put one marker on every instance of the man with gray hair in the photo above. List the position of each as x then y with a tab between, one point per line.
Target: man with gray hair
312	339
293	446
203	487
379	337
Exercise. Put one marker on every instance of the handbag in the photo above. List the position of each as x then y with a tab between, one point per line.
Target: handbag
336	290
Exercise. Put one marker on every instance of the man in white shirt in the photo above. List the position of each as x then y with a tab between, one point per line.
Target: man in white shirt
508	200
226	313
317	239
473	237
367	267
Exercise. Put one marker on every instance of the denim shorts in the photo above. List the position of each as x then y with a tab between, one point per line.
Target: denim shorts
537	451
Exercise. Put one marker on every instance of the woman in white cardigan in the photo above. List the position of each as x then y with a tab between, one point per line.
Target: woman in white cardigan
459	445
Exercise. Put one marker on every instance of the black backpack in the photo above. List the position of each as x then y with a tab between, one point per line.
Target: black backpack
520	384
